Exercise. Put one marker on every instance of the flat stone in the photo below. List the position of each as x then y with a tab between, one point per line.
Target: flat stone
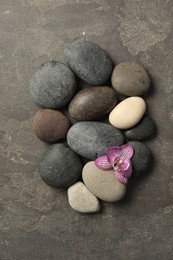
60	166
50	125
92	103
90	139
102	184
130	79
141	159
89	62
81	199
144	129
127	113
52	85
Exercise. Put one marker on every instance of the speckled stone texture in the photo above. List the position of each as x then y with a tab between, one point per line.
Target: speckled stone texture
92	103
89	62
36	221
50	125
130	79
91	139
60	166
52	85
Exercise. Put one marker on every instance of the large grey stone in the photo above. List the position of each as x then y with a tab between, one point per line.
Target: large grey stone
90	139
60	166
89	62
52	85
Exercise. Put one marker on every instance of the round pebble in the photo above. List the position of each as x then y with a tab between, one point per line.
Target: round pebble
144	129
50	125
102	184
81	199
60	166
89	62
130	79
92	103
53	85
90	139
141	159
127	113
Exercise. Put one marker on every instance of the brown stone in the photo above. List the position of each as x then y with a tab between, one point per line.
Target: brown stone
50	125
92	103
130	79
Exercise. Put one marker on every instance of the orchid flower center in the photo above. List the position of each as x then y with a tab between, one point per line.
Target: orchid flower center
118	165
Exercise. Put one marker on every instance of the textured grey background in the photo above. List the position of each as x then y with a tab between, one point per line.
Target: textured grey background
36	220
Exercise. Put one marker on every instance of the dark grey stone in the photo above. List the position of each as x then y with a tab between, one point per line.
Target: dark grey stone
90	139
52	85
89	62
144	129
141	159
60	166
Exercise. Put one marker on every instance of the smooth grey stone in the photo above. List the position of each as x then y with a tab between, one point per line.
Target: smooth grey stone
141	159
144	129
89	62
60	166
90	139
53	85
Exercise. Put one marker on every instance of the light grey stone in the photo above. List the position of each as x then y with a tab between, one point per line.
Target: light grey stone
81	199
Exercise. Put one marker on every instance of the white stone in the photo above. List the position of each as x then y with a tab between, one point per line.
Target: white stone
127	113
81	199
102	184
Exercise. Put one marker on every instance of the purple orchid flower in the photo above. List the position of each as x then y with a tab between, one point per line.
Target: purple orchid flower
117	158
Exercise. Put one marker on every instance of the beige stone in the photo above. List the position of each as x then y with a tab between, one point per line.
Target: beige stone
102	184
127	113
81	199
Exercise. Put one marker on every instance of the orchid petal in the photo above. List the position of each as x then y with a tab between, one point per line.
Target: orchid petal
123	176
127	173
126	164
127	152
102	163
113	154
121	179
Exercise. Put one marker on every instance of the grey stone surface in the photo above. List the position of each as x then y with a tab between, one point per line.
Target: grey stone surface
52	85
141	159
60	166
89	62
36	220
144	129
90	139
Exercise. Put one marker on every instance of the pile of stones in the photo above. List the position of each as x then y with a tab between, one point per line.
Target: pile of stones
96	120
